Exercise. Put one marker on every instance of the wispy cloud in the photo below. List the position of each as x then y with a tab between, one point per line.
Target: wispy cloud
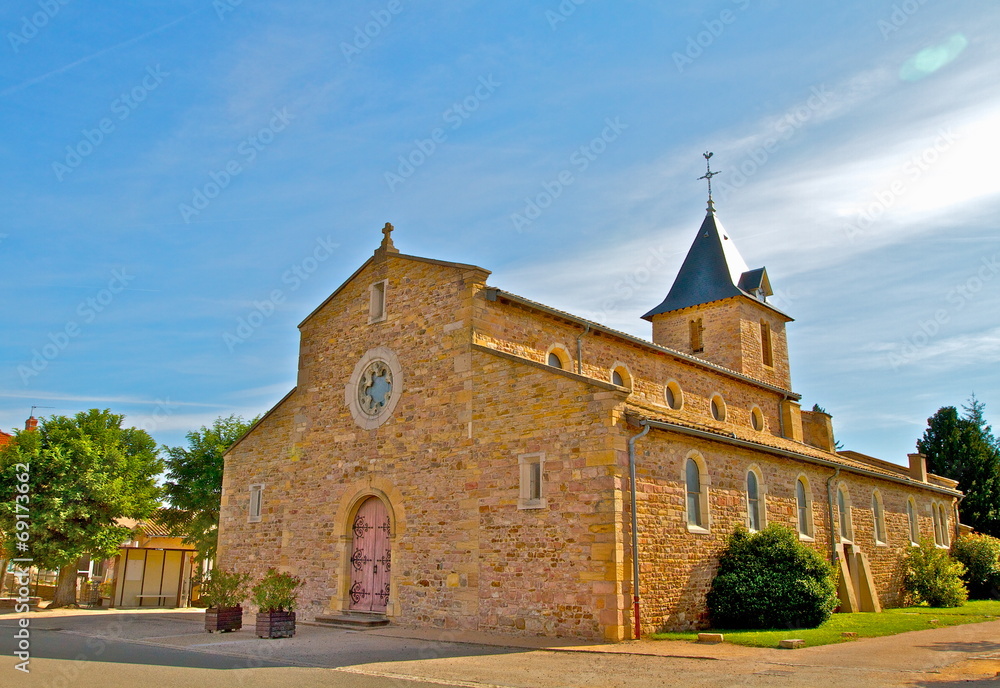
57	396
83	60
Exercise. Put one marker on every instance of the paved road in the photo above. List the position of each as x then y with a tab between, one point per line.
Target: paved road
154	650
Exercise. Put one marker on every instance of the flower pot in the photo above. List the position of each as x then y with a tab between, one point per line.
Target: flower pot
223	619
275	624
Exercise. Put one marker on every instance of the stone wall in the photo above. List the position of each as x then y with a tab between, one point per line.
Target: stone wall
677	566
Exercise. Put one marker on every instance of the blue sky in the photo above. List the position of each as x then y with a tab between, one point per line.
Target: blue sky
171	166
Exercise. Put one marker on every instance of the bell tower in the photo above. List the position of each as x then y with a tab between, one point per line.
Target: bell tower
717	308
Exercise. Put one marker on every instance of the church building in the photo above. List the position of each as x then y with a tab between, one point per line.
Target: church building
455	455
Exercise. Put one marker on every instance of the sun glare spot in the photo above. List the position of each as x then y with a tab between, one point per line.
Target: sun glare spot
930	60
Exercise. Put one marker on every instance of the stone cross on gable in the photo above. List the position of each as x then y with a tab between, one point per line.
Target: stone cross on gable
387	245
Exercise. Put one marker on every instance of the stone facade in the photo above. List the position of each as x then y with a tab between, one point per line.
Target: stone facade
506	479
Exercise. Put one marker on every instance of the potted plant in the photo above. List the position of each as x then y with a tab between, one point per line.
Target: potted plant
275	597
223	592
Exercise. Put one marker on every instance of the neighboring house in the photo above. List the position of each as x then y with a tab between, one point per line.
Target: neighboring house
5	439
458	456
153	569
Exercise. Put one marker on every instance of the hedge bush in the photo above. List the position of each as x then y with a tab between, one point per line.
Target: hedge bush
769	579
932	576
980	554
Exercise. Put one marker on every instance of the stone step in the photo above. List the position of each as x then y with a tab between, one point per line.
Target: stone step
352	621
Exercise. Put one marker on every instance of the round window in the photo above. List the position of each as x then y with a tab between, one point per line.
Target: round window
374	388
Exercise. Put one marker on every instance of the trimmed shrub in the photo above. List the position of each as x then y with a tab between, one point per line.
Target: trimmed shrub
980	554
930	575
771	580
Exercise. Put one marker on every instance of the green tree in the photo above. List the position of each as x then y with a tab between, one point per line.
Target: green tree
963	448
194	482
82	474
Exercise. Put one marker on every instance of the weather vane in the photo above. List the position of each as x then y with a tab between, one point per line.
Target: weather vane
708	175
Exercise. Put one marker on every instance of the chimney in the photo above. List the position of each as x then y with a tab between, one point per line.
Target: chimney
918	467
31	423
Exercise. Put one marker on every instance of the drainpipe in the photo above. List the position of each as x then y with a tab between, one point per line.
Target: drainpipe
829	504
635	532
958	526
579	351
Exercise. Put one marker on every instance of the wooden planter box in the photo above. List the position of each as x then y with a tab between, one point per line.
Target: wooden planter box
223	620
275	624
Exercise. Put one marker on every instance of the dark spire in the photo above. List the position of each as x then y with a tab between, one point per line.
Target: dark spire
708	175
710	272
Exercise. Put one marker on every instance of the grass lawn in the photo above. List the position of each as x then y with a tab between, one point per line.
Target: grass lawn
889	622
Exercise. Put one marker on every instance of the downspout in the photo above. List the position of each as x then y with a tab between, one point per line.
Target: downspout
833	524
635	532
579	350
958	526
781	414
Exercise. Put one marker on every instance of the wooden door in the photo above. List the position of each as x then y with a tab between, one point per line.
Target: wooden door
370	557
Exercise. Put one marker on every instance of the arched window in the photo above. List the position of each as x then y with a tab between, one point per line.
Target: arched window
911	515
754	502
558	357
692	477
844	509
718	407
673	396
943	518
878	517
620	376
803	506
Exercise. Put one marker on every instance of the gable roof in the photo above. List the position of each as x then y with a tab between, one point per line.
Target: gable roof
713	270
404	256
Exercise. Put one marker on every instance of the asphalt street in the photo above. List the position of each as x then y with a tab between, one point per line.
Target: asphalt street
154	648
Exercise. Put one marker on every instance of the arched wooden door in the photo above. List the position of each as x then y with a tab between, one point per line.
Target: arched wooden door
370	557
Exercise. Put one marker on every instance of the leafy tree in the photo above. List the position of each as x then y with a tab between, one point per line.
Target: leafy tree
82	475
963	448
194	482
